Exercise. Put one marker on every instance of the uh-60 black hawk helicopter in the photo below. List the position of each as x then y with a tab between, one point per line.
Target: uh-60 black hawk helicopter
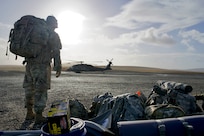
78	68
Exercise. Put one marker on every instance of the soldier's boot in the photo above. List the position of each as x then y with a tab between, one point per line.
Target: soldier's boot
30	115
29	102
39	121
29	119
39	118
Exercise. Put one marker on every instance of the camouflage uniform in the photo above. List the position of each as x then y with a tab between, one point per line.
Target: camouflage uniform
38	74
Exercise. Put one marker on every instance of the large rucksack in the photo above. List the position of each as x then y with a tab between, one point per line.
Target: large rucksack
124	107
186	101
29	35
177	94
99	104
127	107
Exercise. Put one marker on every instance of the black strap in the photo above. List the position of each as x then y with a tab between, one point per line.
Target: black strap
10	37
161	128
188	128
7	50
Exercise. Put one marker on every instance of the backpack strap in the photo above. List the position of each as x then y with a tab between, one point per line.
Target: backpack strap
9	40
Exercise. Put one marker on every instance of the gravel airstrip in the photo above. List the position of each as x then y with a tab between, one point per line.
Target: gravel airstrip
82	86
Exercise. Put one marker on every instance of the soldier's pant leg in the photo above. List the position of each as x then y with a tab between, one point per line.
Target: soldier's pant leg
40	104
40	100
29	102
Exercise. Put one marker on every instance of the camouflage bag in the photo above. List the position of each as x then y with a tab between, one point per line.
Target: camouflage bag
157	96
178	94
77	109
125	107
186	101
97	103
171	85
160	111
29	35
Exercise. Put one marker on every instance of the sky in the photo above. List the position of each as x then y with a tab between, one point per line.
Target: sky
149	33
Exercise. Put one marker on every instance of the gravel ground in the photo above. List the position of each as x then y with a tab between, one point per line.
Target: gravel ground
83	87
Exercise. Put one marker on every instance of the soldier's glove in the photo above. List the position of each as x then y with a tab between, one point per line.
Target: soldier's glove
58	70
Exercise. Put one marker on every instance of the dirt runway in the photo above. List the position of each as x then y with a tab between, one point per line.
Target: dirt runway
83	87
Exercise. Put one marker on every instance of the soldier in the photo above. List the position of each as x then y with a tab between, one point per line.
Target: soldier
38	76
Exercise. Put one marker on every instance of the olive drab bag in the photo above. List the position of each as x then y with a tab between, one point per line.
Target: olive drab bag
124	107
160	111
29	35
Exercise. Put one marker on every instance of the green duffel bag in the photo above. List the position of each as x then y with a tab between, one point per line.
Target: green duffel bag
160	111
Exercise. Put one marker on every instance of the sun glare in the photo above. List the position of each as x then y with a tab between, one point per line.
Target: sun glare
70	25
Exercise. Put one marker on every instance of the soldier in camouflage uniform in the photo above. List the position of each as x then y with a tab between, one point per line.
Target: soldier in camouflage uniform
38	75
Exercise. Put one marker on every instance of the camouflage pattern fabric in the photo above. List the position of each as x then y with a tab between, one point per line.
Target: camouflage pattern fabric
36	84
98	101
77	109
124	107
186	101
176	94
179	95
155	98
56	45
161	111
29	36
38	73
171	85
49	52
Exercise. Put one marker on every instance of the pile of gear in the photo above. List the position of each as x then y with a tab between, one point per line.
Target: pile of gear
167	99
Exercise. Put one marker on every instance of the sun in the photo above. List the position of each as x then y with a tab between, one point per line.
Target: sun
70	26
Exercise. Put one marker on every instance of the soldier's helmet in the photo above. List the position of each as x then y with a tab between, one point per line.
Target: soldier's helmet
52	21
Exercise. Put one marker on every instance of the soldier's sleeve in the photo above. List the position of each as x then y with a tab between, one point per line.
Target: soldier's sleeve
57	46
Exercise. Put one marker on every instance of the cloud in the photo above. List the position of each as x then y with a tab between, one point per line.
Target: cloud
167	15
156	23
189	36
149	36
186	42
125	43
152	36
194	35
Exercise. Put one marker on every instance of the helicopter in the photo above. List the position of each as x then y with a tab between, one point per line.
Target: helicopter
78	68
